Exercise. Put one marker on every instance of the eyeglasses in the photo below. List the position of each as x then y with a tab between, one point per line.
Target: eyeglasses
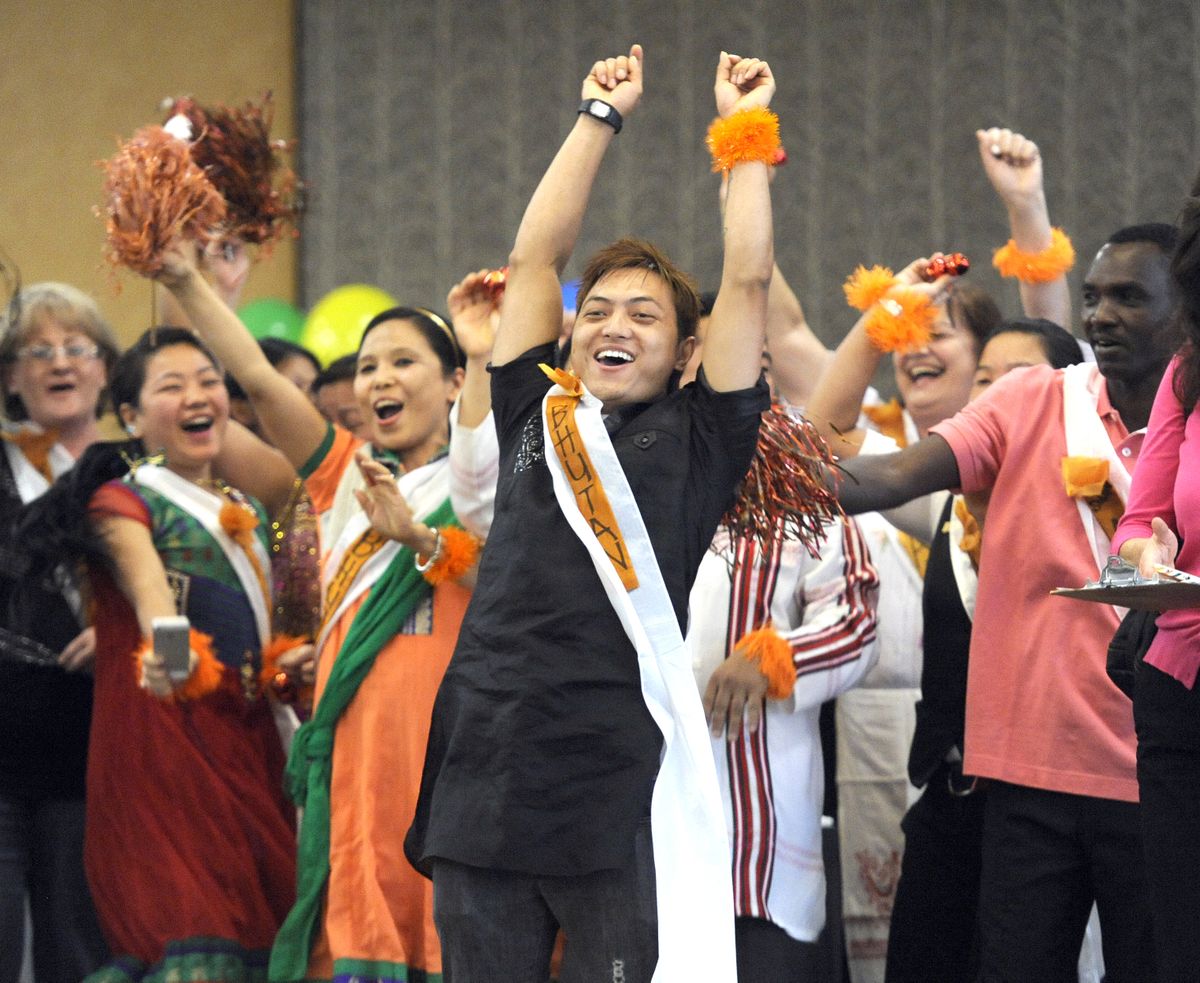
76	351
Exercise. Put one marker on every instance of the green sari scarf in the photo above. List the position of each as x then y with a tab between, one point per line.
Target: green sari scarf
391	600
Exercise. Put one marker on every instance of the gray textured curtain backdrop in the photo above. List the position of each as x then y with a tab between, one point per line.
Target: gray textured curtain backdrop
425	125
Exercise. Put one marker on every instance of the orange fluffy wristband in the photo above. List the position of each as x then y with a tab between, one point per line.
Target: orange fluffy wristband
750	135
456	555
774	657
1040	267
900	322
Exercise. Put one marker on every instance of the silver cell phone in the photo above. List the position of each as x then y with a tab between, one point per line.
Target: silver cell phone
171	645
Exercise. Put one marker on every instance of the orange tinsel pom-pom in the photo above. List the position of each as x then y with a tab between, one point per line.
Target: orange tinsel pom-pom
459	551
751	135
206	675
865	287
238	521
900	322
155	192
1040	267
234	147
774	657
784	494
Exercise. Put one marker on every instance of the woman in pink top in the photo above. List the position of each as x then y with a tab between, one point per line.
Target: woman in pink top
1163	509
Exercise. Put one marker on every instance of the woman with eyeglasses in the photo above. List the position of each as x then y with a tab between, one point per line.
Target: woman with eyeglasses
56	351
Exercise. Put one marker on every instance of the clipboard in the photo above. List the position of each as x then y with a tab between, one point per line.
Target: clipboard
1174	589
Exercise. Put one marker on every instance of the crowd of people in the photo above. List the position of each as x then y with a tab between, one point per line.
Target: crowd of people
531	644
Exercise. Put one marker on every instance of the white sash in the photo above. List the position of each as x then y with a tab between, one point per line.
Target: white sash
423	489
1086	437
691	846
205	508
965	577
31	484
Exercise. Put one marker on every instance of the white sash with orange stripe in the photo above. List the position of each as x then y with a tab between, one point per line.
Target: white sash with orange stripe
205	508
691	847
1087	437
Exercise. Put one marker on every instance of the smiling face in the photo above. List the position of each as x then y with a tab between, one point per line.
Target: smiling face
182	409
403	391
60	392
626	340
935	381
1127	307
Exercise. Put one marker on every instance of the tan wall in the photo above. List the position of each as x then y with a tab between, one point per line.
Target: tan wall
75	76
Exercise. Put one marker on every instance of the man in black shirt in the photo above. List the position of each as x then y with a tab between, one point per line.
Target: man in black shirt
536	800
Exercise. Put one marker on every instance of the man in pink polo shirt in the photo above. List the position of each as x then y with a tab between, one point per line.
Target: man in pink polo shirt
1045	726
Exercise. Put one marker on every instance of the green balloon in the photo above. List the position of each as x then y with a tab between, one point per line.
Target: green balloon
272	318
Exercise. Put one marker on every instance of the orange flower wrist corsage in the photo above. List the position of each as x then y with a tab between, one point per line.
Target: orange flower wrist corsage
746	136
455	553
1040	267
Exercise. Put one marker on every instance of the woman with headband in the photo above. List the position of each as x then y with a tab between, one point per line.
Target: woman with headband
393	554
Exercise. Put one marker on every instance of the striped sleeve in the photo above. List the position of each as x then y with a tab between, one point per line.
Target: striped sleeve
825	609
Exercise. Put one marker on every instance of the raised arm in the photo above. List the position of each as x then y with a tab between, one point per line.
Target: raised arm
1013	165
550	227
290	419
798	356
475	311
836	402
733	347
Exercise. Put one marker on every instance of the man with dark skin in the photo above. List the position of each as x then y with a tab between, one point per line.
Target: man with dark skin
1048	730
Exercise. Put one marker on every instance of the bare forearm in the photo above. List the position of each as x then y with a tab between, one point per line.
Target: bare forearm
798	357
532	312
295	426
884	481
550	226
836	402
737	332
1029	224
475	398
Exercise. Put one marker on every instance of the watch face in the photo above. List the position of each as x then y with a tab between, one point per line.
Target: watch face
599	110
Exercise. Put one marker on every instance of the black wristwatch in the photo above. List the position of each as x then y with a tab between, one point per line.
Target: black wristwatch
601	110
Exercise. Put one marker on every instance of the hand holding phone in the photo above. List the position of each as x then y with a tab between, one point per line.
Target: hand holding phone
171	646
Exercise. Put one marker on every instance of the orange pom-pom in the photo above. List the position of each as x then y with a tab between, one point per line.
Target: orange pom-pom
865	287
238	521
751	135
459	551
774	657
900	322
1040	267
156	192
